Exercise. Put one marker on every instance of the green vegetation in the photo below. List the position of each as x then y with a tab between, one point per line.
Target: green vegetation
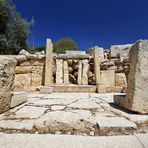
13	29
64	44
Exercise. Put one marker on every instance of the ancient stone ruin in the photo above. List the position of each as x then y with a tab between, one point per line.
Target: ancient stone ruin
97	92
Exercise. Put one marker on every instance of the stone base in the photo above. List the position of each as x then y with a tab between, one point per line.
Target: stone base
121	101
46	90
109	89
18	98
74	88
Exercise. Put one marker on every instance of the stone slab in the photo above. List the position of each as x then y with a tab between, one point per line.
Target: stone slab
114	122
17	124
67	141
143	139
85	104
18	98
30	112
74	88
46	90
107	77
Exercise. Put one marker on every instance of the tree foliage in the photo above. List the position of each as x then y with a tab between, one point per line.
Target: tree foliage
13	29
64	44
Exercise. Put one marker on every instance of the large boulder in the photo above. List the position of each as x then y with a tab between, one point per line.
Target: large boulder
7	67
137	91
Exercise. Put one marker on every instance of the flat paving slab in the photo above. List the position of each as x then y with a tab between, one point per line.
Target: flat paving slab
73	114
67	141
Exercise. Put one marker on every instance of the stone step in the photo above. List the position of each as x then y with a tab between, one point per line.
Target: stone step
67	141
74	88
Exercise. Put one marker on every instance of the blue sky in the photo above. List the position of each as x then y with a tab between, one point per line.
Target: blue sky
88	22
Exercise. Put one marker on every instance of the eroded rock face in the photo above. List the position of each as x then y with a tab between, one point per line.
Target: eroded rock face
7	67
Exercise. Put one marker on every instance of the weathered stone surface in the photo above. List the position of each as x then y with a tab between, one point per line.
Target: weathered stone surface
113	89
25	63
74	88
22	81
57	107
80	73
65	122
23	69
101	88
18	98
120	79
66	73
37	75
75	141
107	77
137	97
38	62
117	49
114	122
49	63
7	67
97	66
46	90
85	72
17	124
84	104
59	71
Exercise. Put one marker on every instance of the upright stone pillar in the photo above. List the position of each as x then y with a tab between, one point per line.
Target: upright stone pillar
49	63
97	61
80	73
59	71
85	71
66	73
137	91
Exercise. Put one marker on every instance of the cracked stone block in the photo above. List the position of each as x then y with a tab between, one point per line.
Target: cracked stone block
85	104
65	122
55	101
16	124
114	122
27	112
18	98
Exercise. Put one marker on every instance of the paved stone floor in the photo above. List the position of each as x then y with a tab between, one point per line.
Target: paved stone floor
72	114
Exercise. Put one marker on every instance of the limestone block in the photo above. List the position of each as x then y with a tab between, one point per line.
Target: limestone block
117	49
37	75
18	98
49	63
137	91
23	69
38	62
120	79
85	72
59	71
111	89
101	88
107	77
25	63
7	67
66	73
97	66
22	81
46	90
80	73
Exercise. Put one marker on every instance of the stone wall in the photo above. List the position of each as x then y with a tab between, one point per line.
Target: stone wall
108	70
29	72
